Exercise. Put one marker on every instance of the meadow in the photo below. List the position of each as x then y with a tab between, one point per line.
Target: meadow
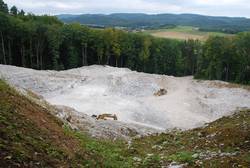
184	33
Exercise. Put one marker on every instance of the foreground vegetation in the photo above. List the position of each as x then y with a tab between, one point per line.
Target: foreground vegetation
32	137
43	42
223	143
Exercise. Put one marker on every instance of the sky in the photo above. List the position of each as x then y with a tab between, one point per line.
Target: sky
239	8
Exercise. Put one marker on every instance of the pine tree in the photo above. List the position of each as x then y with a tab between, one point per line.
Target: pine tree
14	10
3	7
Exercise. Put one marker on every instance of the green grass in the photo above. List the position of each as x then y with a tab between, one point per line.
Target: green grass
20	140
25	141
113	154
226	135
182	156
185	31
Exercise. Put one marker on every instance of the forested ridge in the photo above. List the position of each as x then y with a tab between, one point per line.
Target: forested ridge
156	21
44	42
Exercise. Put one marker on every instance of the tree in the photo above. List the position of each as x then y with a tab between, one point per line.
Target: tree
116	49
72	57
3	7
190	51
21	13
145	51
211	62
14	10
44	42
4	26
54	41
126	47
243	58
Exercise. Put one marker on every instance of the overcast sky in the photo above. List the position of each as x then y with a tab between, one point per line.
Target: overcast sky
208	7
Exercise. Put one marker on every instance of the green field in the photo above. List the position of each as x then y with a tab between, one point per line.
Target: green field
184	33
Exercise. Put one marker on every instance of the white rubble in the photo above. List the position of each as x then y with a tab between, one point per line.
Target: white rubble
94	90
101	129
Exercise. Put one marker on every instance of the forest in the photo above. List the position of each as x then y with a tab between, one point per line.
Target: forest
44	42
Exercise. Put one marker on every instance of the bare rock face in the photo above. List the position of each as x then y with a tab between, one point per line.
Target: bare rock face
179	102
109	129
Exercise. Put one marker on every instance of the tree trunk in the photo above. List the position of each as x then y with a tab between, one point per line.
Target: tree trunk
121	62
41	59
98	57
86	55
41	54
108	58
83	59
9	49
37	55
144	65
107	63
24	57
31	54
193	68
22	51
227	72
3	48
83	56
107	55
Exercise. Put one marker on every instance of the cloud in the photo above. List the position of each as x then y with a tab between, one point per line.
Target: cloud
207	7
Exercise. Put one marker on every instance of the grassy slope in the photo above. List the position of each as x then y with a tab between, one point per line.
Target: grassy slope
31	137
184	32
223	143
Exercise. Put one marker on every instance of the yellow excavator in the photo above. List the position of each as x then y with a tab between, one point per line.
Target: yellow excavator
106	116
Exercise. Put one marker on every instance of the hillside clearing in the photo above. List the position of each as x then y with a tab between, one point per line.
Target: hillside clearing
179	35
184	33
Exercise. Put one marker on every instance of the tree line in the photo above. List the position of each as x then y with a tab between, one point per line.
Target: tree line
44	42
225	58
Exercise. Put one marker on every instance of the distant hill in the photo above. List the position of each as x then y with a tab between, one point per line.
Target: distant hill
138	20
